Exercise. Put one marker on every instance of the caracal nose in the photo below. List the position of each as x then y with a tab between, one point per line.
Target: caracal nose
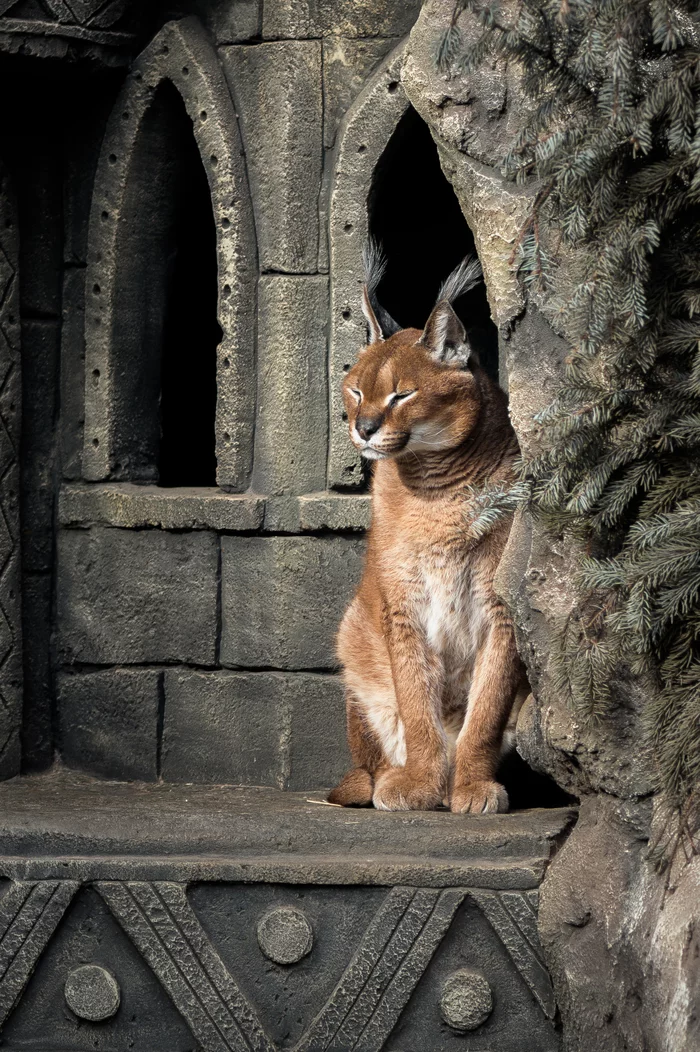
367	426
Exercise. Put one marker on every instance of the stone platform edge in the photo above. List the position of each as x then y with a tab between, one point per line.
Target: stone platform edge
128	505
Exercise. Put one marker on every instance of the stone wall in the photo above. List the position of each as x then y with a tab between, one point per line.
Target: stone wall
195	626
620	937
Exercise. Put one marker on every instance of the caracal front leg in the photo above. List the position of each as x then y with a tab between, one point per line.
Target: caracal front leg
357	787
421	783
497	676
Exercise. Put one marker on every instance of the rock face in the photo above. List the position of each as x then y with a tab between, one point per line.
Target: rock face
620	937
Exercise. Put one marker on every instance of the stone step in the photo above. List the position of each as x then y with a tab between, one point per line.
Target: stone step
63	824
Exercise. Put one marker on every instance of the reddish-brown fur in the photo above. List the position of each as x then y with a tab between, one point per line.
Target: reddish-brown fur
427	648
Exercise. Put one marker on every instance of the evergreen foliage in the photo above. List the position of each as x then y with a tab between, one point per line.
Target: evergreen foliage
612	144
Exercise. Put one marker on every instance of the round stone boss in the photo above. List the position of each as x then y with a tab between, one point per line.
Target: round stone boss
466	1000
285	935
92	993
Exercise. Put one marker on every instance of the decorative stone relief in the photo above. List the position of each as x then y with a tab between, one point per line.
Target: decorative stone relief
359	1013
91	21
10	418
285	935
182	55
466	1000
92	993
363	135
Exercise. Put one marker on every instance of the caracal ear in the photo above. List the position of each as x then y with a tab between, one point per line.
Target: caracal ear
445	337
375	329
380	322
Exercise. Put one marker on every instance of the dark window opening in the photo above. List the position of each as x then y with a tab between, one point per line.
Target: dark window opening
191	331
415	215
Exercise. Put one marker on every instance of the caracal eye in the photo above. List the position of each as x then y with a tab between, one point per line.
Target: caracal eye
400	396
357	395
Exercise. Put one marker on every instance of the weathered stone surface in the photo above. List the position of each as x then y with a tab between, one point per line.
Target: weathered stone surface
472	126
223	728
277	88
285	935
353	18
466	1000
108	722
253	728
362	137
231	21
11	479
610	939
292	418
621	938
195	832
73	373
121	426
134	597
283	598
37	732
347	64
335	511
40	363
317	744
92	993
177	508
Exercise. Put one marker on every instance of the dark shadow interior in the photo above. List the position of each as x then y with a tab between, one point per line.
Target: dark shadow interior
191	331
165	329
415	215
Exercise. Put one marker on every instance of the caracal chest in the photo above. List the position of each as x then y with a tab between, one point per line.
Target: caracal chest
443	596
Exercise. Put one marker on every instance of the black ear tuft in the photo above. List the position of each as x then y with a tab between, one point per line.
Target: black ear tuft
381	324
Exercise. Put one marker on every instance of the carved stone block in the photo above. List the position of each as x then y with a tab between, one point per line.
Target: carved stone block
254	728
128	597
108	722
277	89
205	918
292	420
357	18
283	598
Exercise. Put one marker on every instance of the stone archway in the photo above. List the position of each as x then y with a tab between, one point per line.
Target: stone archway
182	55
363	135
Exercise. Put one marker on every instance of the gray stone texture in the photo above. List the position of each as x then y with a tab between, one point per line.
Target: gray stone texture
466	1000
364	133
335	511
292	415
48	829
175	508
254	728
40	364
283	598
230	21
11	479
37	614
92	993
285	935
610	939
108	722
122	382
348	62
285	154
352	18
133	597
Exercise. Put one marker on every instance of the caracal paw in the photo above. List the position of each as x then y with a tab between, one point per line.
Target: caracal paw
354	789
479	798
397	790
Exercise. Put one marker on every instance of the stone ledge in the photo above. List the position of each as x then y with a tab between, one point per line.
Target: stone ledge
129	506
65	825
